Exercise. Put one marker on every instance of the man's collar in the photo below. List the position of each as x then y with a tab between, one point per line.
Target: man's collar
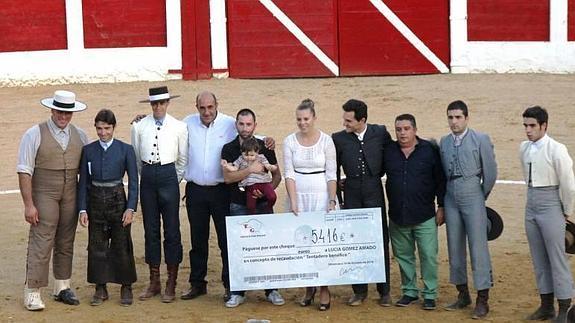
539	143
57	129
211	123
362	133
461	135
106	145
161	120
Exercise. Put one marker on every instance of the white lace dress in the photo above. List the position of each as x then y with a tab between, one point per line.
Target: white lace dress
311	168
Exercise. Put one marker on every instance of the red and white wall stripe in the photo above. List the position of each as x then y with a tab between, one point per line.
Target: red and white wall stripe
61	41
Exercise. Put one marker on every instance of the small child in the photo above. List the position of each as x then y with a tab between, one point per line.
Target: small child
256	181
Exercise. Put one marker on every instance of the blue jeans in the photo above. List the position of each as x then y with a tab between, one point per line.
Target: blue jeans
239	209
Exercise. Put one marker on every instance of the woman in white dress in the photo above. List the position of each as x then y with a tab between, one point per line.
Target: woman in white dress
310	177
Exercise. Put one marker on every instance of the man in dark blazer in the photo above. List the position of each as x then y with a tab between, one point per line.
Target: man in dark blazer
359	149
102	203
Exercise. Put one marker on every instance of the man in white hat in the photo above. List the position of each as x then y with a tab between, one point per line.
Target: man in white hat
548	172
48	162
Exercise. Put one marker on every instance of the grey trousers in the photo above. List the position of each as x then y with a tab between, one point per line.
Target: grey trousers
466	219
545	228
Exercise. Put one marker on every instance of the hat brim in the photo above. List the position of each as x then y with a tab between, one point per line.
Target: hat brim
570	226
496	227
49	103
171	97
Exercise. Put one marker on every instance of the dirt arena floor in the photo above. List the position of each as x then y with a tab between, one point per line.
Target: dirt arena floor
496	103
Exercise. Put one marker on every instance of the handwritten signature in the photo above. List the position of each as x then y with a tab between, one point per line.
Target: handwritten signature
350	270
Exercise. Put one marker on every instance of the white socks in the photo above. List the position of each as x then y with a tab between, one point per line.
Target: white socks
60	285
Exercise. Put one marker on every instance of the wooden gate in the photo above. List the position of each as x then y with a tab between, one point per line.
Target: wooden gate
304	38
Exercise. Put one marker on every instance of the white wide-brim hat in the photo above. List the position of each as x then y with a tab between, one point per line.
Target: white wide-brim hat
64	101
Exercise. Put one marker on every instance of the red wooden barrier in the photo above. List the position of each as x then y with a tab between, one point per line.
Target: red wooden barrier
370	45
124	23
29	25
571	20
196	49
508	20
260	46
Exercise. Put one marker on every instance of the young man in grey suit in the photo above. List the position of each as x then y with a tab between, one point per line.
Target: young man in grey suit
548	172
469	164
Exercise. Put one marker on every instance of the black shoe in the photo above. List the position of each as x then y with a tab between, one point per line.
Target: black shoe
126	296
307	301
194	292
405	301
324	307
100	295
66	296
463	299
429	304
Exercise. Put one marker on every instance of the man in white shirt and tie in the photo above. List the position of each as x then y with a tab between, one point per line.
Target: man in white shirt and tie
548	172
161	145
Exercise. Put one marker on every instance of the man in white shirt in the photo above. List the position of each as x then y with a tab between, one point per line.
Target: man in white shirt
161	145
48	163
206	193
548	172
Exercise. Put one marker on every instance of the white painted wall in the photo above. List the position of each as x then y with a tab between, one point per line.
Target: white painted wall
219	36
77	64
80	65
554	56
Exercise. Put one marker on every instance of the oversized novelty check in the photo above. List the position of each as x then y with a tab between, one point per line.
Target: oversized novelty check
311	249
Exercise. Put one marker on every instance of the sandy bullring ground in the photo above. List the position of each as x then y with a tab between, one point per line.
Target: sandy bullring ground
496	103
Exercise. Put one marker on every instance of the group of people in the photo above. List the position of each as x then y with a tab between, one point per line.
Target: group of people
230	171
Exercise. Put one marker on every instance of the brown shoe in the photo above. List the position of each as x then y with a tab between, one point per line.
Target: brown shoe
385	300
194	292
155	286
126	296
100	295
170	293
481	305
356	299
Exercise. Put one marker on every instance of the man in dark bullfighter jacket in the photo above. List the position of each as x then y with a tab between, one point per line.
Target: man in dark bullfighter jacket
359	149
102	203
